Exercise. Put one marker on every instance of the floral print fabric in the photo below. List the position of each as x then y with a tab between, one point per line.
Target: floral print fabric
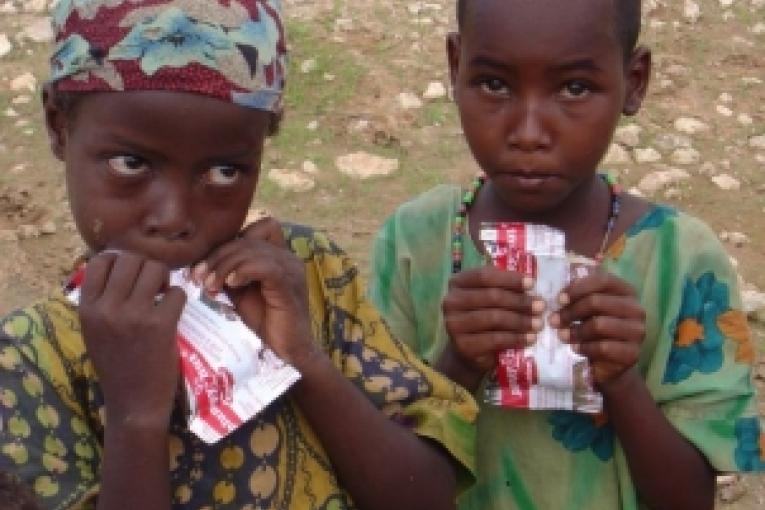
54	410
228	49
696	358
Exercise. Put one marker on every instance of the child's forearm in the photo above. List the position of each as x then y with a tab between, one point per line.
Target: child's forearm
668	471
135	469
380	463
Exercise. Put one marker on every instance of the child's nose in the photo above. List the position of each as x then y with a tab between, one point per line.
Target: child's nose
527	127
170	213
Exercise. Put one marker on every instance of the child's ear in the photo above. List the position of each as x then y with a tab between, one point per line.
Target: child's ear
638	75
453	55
55	121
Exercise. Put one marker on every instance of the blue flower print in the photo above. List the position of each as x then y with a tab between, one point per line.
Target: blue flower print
750	450
72	56
579	431
172	39
699	341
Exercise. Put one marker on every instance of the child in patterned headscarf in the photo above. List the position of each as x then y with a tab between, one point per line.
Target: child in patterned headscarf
159	110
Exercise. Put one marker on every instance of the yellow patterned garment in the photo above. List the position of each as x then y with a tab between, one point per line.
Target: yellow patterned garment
52	410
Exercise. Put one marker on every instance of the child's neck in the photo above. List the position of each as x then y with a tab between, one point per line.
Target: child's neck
582	216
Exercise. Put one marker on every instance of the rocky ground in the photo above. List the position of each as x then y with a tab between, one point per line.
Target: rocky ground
370	123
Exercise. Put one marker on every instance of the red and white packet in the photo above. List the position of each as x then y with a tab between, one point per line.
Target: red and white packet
548	374
228	372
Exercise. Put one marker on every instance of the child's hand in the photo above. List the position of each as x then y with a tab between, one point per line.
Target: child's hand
267	284
488	310
130	336
604	321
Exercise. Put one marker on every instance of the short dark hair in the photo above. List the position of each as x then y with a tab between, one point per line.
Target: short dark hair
627	21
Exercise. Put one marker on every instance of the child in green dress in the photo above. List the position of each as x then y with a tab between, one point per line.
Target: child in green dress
540	87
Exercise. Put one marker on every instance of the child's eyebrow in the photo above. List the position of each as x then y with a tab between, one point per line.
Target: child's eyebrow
484	61
584	64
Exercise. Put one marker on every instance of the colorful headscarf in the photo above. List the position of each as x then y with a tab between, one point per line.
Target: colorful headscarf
229	49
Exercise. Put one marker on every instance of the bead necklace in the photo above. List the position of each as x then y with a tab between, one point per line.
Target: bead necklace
460	218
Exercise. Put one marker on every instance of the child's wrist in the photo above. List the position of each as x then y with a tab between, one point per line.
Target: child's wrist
619	388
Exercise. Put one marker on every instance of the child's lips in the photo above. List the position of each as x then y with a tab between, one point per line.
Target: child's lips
530	181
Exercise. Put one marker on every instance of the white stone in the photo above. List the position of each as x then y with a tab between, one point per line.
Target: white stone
344	24
726	182
359	125
753	301
724	110
289	180
744	119
726	3
313	125
647	155
758	28
435	90
26	81
628	135
617	155
310	167
329	77
22	99
35	5
661	179
307	66
757	142
10	113
5	45
48	228
751	80
39	31
409	101
691	11
690	125
362	165
685	156
671	141
735	238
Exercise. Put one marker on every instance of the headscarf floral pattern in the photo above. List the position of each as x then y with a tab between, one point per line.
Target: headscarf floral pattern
228	49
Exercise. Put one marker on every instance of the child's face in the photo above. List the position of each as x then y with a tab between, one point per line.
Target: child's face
540	86
164	174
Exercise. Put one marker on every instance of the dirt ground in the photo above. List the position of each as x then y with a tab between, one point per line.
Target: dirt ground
352	60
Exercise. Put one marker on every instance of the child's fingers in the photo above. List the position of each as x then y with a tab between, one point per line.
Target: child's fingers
599	282
96	275
152	279
481	321
172	303
266	229
490	276
600	327
122	278
459	299
625	307
623	354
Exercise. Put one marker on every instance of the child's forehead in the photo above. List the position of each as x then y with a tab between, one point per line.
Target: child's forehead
541	29
541	18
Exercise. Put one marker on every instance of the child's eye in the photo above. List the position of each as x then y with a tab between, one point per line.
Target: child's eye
223	175
575	89
128	166
494	86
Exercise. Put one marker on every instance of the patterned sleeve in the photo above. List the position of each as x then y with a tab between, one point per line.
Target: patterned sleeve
363	349
704	375
45	438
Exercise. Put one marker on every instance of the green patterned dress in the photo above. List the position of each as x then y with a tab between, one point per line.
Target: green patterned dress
51	407
696	359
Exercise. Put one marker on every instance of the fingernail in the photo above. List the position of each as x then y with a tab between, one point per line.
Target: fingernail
555	320
564	335
528	282
538	305
536	323
198	272
531	338
563	298
210	283
231	280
